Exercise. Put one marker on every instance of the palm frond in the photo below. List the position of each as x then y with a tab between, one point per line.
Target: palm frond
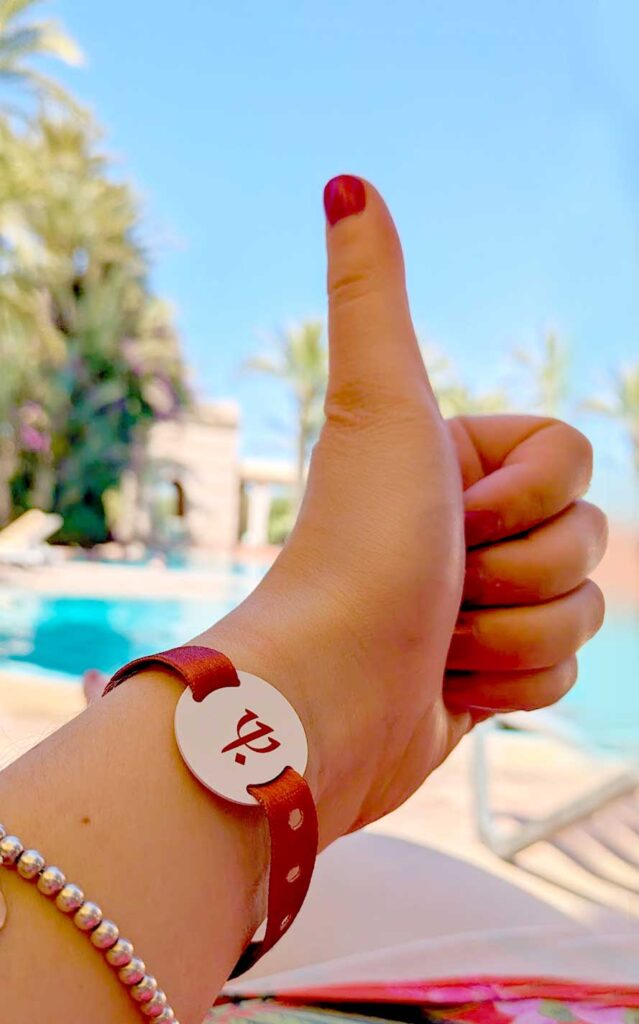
48	38
602	406
22	42
264	364
11	9
454	396
621	403
48	89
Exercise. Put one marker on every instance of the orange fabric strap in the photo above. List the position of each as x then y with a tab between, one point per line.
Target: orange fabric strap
286	800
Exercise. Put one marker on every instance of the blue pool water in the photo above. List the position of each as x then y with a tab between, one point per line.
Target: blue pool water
63	636
66	635
180	560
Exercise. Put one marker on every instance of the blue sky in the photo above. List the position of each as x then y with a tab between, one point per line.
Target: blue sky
505	137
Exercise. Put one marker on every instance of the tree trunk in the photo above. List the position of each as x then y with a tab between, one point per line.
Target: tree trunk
6	472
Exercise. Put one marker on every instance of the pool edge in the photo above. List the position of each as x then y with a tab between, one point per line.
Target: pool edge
28	695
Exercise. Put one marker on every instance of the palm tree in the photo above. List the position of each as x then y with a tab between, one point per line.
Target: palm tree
22	41
102	361
546	373
26	329
454	396
299	358
622	404
91	355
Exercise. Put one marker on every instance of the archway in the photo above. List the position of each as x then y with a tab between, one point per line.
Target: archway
180	499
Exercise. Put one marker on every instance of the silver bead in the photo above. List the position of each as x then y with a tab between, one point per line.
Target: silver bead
30	864
120	954
69	899
105	935
3	831
132	972
51	881
155	1006
88	916
145	989
166	1017
10	850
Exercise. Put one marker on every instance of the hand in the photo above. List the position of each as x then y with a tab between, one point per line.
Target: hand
354	620
527	604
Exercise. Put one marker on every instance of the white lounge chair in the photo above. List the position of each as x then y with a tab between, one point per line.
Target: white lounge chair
594	837
23	542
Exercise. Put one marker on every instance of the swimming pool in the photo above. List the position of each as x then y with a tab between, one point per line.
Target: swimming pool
63	636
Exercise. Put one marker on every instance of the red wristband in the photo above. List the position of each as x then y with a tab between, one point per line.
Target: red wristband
286	799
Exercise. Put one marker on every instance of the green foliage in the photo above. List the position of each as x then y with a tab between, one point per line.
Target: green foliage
281	519
545	369
22	41
91	355
621	403
454	396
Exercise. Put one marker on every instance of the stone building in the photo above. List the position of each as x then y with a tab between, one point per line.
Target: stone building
197	456
190	486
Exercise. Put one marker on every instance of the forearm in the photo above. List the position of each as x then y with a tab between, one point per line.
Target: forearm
109	800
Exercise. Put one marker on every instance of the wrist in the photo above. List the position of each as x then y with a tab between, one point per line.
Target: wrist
271	639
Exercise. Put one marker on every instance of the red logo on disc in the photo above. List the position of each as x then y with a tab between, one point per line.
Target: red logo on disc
245	740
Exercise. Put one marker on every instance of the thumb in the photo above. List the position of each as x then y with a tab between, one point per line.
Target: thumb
374	354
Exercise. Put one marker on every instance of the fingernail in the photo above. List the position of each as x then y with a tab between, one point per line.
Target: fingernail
481	714
474	584
343	196
462	646
482	525
486	710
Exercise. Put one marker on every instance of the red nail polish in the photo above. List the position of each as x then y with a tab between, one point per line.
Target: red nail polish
482	525
474	584
343	196
463	646
480	715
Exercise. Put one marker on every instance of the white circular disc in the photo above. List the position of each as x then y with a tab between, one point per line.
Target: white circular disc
240	736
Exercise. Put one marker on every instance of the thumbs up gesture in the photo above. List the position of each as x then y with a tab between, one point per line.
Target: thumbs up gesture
358	621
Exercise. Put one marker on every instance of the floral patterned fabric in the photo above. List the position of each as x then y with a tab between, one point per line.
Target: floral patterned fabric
471	1001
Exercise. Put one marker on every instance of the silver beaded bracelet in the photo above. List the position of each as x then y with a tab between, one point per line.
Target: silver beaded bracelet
87	916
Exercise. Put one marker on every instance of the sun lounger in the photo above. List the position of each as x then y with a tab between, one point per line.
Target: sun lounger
594	837
23	542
